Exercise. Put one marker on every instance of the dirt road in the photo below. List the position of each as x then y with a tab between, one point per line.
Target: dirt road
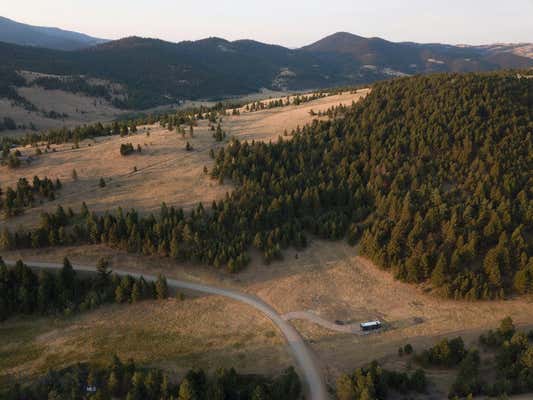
353	328
306	361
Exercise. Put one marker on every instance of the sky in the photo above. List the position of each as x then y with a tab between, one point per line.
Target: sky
292	23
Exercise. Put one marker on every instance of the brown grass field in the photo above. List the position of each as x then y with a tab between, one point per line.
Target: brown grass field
328	278
165	171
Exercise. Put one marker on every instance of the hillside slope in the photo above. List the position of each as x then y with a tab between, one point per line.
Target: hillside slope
433	172
412	58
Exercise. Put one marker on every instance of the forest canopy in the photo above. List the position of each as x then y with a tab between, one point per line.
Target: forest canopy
431	173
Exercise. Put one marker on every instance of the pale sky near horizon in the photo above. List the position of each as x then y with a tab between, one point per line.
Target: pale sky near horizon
291	23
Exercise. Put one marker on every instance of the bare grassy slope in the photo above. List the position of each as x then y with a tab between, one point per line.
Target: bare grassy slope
270	124
165	171
209	332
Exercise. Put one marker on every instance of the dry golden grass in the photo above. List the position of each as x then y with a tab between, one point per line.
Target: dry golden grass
165	171
80	109
84	109
270	124
208	332
331	280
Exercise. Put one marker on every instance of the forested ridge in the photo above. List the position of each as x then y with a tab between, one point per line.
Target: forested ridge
432	173
154	72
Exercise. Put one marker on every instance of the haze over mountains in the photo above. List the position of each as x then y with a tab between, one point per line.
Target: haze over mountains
40	36
156	72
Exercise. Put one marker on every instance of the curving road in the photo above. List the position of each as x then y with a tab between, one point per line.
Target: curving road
305	359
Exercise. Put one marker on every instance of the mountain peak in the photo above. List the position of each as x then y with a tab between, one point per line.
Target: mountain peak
339	42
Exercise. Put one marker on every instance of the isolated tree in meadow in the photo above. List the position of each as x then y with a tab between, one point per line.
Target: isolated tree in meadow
101	183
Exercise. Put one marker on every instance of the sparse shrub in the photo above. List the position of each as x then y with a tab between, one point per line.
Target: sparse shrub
126	149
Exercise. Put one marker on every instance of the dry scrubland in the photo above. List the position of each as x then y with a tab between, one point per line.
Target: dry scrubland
328	278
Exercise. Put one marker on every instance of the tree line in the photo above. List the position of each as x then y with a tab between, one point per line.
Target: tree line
294	100
123	128
430	173
24	291
127	380
74	85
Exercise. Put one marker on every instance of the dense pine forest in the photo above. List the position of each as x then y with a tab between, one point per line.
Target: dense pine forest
432	174
25	292
126	380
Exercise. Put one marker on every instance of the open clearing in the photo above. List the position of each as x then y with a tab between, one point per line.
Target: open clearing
208	332
330	280
79	109
165	171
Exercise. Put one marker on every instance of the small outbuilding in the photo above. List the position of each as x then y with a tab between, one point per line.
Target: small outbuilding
370	325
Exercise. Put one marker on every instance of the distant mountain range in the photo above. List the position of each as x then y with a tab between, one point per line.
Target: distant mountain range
39	36
155	72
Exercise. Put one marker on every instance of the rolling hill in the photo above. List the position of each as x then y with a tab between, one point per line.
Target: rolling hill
413	58
155	72
39	36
